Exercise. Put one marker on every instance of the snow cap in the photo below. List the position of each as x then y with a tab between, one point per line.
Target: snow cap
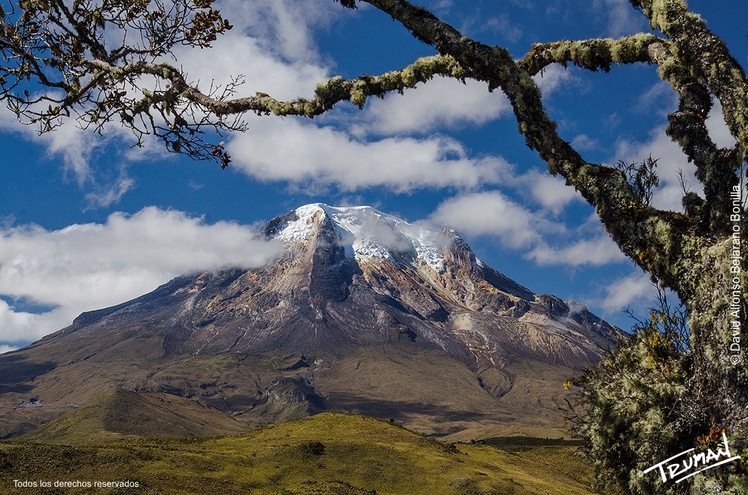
365	232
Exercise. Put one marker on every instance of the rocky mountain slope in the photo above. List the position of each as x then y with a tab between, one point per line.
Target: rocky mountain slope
361	312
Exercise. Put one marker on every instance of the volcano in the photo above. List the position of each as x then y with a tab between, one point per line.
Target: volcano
361	312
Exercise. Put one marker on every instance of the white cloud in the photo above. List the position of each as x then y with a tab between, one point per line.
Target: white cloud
660	97
622	19
489	213
67	141
309	156
552	78
718	130
583	142
440	6
75	146
234	54
548	190
597	251
21	326
6	348
111	193
504	26
441	102
90	266
634	290
76	149
282	26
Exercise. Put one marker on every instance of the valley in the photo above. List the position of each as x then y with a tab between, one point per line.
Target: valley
327	454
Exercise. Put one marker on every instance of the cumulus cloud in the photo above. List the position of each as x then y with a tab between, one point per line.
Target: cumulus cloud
442	101
6	348
635	290
489	213
235	54
493	214
598	251
306	155
283	27
583	142
548	190
622	18
23	326
90	266
553	78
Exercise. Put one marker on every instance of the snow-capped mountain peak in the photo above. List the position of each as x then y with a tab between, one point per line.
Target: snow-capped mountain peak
365	232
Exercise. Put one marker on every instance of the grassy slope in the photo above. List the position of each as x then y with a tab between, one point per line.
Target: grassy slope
120	414
331	453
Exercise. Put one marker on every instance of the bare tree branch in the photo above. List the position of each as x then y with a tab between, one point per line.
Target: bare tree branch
56	63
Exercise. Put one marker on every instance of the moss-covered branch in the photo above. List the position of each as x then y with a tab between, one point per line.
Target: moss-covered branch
650	237
715	167
338	89
687	253
706	55
594	54
700	65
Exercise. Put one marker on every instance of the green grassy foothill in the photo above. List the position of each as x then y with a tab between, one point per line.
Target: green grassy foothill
330	453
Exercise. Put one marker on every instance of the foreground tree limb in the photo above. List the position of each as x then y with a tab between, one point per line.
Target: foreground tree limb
689	253
57	61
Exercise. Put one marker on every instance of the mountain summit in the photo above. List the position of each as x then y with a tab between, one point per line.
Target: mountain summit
364	233
361	312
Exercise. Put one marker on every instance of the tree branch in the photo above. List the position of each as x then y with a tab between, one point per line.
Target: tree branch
701	64
648	236
593	54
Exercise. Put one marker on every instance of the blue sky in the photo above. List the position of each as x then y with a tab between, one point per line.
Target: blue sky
89	222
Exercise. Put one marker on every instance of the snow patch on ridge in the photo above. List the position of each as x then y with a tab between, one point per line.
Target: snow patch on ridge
301	229
369	233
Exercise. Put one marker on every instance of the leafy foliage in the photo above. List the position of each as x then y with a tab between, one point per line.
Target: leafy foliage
633	407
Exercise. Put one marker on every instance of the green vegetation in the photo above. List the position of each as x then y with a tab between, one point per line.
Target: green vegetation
330	453
121	414
633	412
